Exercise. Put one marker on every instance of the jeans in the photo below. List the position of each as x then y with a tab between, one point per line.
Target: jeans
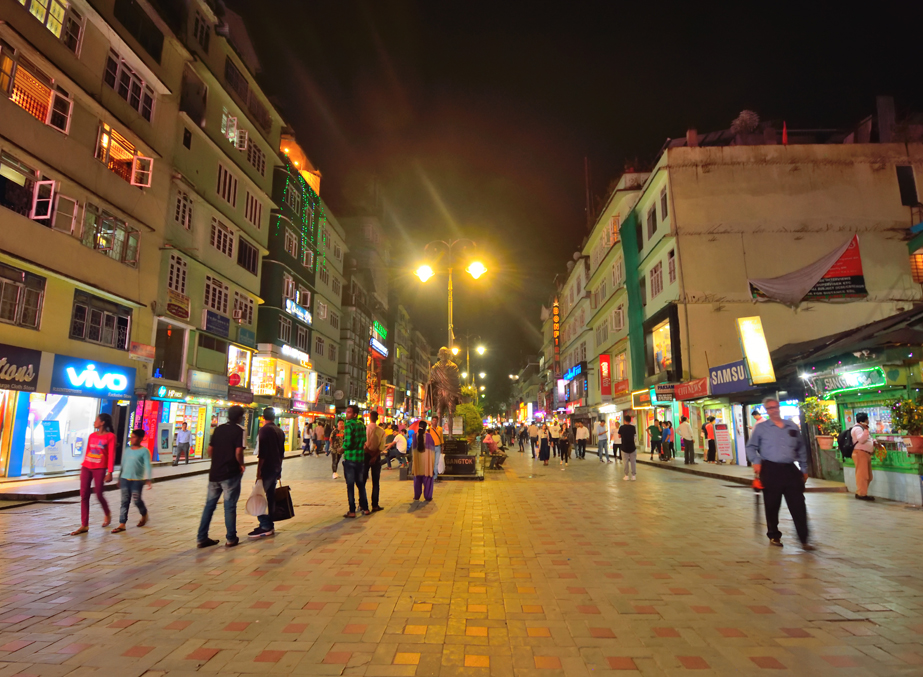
564	450
395	454
182	449
98	476
231	490
354	472
373	470
581	448
784	479
712	451
327	447
269	486
555	445
602	447
335	460
131	489
435	466
534	442
630	462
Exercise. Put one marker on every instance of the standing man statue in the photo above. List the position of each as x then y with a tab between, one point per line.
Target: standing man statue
443	388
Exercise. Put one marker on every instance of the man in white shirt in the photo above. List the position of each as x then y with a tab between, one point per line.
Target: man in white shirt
555	431
602	441
533	436
863	446
583	434
685	433
183	440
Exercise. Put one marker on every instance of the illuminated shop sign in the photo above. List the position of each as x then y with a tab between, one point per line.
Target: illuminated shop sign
556	332
850	380
19	368
756	351
166	392
378	346
575	371
380	330
296	354
73	376
297	311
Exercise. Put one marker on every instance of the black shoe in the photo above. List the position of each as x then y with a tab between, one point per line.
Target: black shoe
865	498
207	543
376	508
776	542
231	544
807	547
260	532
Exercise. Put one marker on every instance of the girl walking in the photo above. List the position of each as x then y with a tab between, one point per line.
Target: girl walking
136	469
544	452
424	458
97	466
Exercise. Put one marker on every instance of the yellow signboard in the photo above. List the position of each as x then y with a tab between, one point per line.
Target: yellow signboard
756	352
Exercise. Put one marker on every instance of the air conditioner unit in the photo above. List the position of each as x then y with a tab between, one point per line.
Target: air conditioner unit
238	315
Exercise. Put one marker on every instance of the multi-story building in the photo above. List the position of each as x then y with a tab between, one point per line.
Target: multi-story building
87	120
398	368
421	367
355	335
328	316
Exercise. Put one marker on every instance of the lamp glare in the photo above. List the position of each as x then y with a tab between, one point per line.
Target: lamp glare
476	269
424	273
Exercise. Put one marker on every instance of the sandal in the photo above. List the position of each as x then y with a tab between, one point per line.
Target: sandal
350	515
119	529
143	521
108	521
81	530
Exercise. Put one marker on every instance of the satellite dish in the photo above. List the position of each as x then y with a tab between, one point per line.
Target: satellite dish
338	395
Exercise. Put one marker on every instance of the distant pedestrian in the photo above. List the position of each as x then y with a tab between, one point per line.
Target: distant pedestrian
568	441
533	436
328	430
627	433
774	448
666	442
307	438
354	462
269	469
423	457
582	436
135	471
555	430
320	438
602	440
438	439
523	435
226	451
183	440
336	446
374	444
688	441
654	431
544	450
710	440
863	447
98	464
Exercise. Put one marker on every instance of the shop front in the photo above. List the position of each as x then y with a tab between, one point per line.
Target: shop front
48	405
284	378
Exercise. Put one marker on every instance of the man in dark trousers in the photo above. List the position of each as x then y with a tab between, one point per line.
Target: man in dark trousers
269	469
774	448
374	444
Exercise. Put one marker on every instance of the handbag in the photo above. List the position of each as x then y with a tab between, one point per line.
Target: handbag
284	509
440	467
257	504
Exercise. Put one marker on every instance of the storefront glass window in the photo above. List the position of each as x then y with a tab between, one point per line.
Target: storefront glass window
879	417
264	374
168	351
238	367
663	349
63	421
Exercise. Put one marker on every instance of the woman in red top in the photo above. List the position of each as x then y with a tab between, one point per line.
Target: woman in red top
98	463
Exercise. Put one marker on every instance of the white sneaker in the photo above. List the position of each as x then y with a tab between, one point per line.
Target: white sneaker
335	476
633	478
626	477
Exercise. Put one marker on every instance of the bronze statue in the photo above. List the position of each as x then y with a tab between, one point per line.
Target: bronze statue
443	389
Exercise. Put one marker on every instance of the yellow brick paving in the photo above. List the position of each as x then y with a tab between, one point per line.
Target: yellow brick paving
534	572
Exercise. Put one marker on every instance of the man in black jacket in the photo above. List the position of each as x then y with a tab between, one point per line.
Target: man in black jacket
269	468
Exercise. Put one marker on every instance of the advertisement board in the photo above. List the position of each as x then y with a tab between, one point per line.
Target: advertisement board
19	368
90	378
605	375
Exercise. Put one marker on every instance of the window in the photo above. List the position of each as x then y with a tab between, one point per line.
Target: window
334	320
222	238
321	310
243	308
337	252
671	266
99	321
187	139
602	333
254	211
21	296
291	242
140	25
212	343
129	85
620	367
336	286
202	32
64	22
216	295
34	92
307	258
292	198
288	287
643	284
324	276
663	204
120	156
301	340
618	274
248	256
639	233
109	234
176	279
617	319
257	158
183	212
662	347
227	185
319	345
236	80
656	279
304	297
332	352
285	329
651	222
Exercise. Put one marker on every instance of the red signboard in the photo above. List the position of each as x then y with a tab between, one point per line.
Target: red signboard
690	390
389	397
556	332
620	387
605	375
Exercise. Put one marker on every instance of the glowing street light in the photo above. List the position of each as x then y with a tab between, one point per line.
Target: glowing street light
424	273
482	375
455	350
464	374
476	269
481	350
483	388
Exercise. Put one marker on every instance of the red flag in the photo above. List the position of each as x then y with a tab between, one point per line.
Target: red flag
784	134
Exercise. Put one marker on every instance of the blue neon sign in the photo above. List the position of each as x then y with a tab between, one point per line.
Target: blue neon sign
91	378
574	371
302	314
378	346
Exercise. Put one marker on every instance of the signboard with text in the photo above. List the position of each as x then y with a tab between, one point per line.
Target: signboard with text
178	305
691	390
90	378
19	368
605	375
729	378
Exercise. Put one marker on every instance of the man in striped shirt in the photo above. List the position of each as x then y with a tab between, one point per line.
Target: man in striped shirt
354	438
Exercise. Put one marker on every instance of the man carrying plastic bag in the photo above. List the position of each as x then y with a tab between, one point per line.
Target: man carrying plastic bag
269	469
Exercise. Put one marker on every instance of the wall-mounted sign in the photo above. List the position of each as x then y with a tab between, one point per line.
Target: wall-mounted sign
299	405
664	392
89	378
207	383
165	392
178	305
756	351
296	354
240	396
141	352
379	329
389	397
556	333
19	368
575	371
605	375
216	324
297	311
729	378
850	380
246	337
378	346
691	390
620	387
641	399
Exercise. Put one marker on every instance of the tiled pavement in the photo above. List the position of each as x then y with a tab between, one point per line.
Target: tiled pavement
532	572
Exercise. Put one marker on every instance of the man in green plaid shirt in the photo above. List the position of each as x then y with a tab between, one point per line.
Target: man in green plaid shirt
354	461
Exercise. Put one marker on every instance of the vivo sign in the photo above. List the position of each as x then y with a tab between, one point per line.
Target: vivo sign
74	376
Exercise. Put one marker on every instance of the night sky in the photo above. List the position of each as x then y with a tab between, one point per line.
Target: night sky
474	118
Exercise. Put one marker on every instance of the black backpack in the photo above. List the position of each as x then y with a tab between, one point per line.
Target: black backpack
845	443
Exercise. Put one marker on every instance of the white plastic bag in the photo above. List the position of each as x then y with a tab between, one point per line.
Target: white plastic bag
257	504
440	467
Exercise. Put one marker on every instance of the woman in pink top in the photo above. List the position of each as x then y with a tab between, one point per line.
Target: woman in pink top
97	466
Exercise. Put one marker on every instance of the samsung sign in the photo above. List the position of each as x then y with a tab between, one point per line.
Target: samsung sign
378	346
89	378
729	378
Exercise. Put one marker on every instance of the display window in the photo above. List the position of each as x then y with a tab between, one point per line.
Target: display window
788	409
59	427
264	376
663	348
879	416
238	367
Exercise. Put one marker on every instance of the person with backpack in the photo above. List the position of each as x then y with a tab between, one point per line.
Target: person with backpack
862	448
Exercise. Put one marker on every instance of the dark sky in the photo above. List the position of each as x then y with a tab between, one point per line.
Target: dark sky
476	117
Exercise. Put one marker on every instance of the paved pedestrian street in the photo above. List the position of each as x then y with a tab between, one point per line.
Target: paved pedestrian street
532	572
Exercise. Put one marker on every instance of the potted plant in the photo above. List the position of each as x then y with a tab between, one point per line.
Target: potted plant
817	414
907	416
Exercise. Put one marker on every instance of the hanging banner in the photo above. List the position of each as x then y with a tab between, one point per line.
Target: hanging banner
691	390
605	375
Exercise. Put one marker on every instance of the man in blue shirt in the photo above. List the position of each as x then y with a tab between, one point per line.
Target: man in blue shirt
183	440
774	448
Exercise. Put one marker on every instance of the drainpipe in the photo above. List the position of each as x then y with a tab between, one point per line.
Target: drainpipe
682	268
